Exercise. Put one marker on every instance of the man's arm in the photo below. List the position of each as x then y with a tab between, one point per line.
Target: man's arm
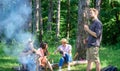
92	33
89	31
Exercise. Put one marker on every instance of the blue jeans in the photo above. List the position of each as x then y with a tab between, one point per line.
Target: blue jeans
65	59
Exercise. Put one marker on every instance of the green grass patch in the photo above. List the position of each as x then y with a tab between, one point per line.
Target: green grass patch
109	55
7	62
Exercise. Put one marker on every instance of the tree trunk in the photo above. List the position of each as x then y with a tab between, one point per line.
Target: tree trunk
97	5
33	24
82	19
50	14
68	19
29	28
38	18
37	15
41	22
58	20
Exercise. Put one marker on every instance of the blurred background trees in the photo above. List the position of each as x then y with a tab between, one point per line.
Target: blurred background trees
52	20
55	17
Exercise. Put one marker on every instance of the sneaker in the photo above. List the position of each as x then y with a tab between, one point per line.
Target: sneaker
68	68
59	70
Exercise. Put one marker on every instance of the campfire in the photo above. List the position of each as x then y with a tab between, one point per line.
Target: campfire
22	68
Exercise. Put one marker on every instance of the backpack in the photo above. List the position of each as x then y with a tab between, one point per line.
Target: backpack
110	68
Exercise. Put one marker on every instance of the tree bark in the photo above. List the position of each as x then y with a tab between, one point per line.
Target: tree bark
41	22
50	14
33	24
58	20
68	19
97	5
37	15
82	19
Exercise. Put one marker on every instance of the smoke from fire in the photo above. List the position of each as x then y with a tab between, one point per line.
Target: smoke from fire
14	18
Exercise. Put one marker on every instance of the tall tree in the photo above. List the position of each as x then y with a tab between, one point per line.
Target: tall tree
50	14
97	5
82	19
58	19
33	23
37	14
68	19
41	22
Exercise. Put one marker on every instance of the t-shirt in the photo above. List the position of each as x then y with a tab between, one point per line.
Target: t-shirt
40	52
65	49
96	27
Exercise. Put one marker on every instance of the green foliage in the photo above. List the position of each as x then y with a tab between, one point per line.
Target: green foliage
49	37
63	17
110	31
109	15
110	18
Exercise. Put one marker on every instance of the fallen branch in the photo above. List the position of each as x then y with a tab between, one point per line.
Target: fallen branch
55	65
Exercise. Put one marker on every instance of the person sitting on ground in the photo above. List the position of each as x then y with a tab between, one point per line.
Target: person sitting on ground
26	57
43	52
65	50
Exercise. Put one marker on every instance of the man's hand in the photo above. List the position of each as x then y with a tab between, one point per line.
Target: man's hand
86	28
84	41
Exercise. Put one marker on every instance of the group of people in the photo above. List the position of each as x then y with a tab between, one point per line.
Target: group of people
28	54
34	59
27	57
93	43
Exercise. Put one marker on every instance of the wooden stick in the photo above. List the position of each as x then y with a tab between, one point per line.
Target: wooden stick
55	65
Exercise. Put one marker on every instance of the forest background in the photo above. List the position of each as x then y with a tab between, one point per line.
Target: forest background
51	20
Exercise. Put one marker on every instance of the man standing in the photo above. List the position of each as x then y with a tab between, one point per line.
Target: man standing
93	40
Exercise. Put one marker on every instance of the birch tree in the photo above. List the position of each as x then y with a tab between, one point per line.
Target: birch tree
41	22
68	19
58	19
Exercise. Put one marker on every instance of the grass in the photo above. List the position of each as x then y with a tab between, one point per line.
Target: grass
109	55
7	62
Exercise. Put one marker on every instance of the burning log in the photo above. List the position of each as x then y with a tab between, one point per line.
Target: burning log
55	65
19	68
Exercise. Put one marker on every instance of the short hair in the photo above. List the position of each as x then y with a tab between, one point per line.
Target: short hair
94	10
64	40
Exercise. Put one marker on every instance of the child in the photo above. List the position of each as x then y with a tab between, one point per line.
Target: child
64	49
43	52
